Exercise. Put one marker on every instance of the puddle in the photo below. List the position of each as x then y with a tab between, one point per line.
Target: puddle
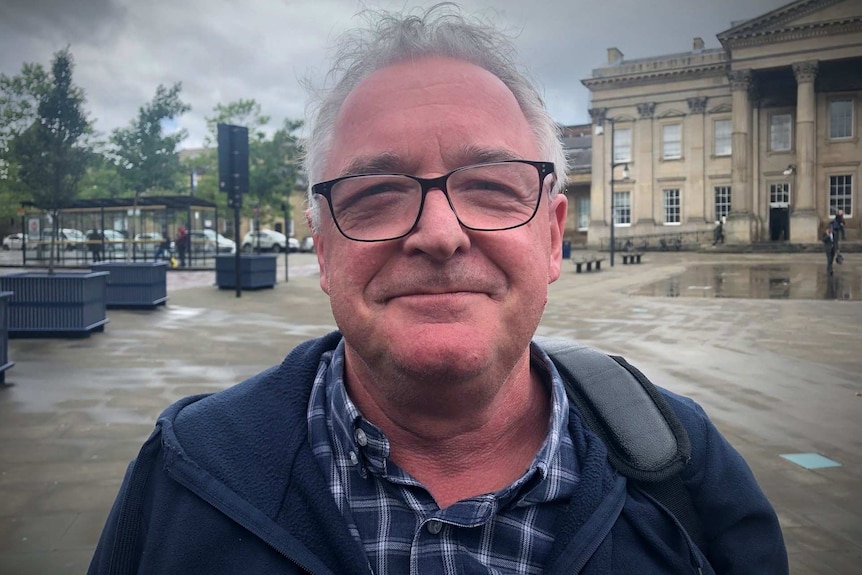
760	281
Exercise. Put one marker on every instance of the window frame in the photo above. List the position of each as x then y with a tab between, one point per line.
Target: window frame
581	213
617	145
665	141
715	142
790	133
780	194
851	121
717	204
668	209
847	186
618	195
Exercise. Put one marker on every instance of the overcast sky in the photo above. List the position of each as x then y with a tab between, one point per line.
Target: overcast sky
224	50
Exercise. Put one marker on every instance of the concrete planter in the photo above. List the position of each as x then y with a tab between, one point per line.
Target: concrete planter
4	335
256	271
135	284
56	305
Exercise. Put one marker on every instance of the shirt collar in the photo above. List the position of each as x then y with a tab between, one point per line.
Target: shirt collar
360	436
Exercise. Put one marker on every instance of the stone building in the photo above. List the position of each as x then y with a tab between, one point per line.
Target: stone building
764	130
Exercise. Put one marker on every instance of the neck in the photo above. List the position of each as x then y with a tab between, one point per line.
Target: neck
463	440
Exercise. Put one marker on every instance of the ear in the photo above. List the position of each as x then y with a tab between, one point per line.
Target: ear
558	208
319	249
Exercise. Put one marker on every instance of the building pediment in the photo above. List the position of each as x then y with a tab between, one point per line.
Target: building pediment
797	20
721	109
672	113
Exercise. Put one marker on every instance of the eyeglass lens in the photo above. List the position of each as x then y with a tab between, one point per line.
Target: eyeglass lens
486	197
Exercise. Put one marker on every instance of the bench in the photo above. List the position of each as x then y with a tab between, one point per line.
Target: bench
588	261
632	257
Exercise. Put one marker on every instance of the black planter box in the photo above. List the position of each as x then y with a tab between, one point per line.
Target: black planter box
4	335
256	271
135	284
54	305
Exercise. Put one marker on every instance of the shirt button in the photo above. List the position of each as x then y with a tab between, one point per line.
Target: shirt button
434	527
361	438
353	459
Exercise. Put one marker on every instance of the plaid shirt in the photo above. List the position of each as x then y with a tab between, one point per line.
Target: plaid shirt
397	520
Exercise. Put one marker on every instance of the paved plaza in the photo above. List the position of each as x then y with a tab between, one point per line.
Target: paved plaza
774	357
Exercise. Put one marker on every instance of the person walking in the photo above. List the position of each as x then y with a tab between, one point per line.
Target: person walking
182	245
94	244
718	233
830	244
431	433
164	247
839	225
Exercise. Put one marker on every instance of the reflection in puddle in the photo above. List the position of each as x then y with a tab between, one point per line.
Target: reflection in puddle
758	281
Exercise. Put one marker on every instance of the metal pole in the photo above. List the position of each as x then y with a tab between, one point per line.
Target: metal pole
236	259
613	214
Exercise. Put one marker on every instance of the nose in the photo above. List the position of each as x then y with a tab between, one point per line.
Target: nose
438	233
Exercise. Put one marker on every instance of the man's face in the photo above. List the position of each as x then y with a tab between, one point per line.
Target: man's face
443	303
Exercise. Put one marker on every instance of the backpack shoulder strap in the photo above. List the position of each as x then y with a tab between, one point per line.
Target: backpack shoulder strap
645	440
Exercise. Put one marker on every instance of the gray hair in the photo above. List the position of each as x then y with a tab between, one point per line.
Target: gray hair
439	31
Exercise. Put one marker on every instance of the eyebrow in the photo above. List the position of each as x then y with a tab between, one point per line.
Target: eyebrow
392	163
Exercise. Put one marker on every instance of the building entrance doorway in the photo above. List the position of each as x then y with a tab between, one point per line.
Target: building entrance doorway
779	222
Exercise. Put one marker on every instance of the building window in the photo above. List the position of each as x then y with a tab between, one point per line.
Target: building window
840	195
780	132
583	213
723	137
840	119
671	142
779	193
622	208
722	202
623	145
671	206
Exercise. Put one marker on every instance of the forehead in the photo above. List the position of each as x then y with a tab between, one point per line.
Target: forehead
431	114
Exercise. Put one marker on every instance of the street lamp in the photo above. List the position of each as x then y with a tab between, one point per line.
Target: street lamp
614	165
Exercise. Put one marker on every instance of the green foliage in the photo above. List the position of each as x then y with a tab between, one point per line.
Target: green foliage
52	153
273	160
145	157
19	102
102	179
245	113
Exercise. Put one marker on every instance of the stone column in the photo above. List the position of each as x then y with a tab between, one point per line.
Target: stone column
803	219
740	223
599	226
643	196
696	196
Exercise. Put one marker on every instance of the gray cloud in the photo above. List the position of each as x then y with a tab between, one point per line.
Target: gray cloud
223	50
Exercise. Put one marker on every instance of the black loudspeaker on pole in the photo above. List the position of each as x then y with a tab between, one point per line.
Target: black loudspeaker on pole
233	178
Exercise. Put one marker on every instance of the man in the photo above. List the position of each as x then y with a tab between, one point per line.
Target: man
839	224
428	435
830	244
94	244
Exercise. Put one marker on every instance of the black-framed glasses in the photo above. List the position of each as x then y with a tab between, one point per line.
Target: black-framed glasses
485	197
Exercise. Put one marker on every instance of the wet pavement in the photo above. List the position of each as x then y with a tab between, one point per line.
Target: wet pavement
760	345
789	280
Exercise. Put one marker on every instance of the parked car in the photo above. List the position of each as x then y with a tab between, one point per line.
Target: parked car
307	244
210	242
115	241
148	243
14	241
268	240
72	239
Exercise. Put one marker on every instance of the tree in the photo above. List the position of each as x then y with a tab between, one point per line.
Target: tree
52	153
19	102
273	160
147	158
